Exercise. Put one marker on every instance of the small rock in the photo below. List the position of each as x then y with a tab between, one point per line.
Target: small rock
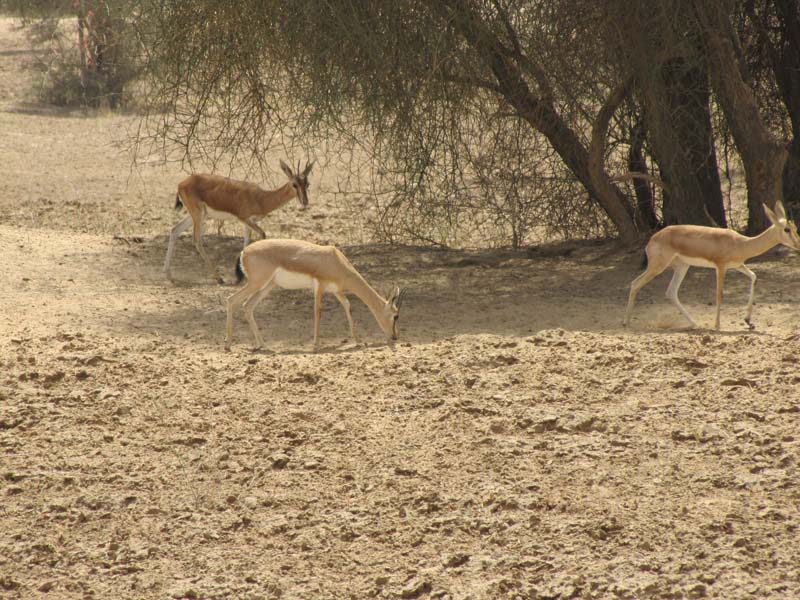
8	584
53	378
497	427
697	591
545	425
181	592
456	560
279	460
250	501
414	588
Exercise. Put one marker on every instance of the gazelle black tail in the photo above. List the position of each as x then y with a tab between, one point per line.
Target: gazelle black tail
178	202
239	270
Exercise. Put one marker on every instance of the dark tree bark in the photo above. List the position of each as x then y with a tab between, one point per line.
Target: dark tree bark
785	59
645	202
762	154
672	80
689	104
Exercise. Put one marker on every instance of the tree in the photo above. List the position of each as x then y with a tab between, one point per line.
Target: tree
89	62
421	84
770	30
763	155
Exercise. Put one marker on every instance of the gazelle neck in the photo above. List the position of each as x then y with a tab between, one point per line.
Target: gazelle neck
762	242
273	199
365	292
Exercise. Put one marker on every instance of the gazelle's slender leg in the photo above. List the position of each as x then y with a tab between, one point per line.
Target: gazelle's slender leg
680	269
342	298
182	226
246	236
197	236
752	276
319	290
234	301
653	270
720	285
256	228
250	306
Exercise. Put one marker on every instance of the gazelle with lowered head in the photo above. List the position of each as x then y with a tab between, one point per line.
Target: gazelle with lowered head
228	199
684	246
295	264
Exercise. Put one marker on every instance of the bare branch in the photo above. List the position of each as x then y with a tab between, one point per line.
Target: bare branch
630	175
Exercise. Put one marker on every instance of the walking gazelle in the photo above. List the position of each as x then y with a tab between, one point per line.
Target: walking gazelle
684	246
228	199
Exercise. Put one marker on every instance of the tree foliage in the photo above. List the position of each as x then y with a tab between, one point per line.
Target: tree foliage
498	117
86	55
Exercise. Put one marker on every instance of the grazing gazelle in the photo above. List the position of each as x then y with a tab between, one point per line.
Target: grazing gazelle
225	199
295	264
684	246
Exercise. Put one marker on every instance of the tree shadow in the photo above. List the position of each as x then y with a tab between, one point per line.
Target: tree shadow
579	286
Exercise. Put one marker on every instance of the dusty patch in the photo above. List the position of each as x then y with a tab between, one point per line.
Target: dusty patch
517	443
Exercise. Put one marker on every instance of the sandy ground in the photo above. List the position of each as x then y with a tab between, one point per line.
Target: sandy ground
516	443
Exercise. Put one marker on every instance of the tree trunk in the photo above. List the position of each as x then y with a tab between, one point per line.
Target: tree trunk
672	83
540	114
786	64
763	156
645	203
689	102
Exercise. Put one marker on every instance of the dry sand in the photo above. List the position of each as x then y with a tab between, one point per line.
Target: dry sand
516	443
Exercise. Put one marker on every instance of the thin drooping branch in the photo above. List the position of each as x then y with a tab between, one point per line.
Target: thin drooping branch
539	113
630	175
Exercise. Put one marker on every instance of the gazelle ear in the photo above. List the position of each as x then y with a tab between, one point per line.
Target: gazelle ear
398	299
770	215
780	210
287	169
308	168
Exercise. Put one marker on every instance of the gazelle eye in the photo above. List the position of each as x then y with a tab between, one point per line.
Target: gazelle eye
787	230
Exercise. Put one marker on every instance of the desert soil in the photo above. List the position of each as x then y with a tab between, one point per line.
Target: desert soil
516	443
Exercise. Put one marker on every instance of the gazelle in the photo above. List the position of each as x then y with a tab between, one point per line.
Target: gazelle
684	246
226	199
295	264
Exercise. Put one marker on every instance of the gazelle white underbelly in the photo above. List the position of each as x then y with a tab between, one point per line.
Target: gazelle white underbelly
220	215
291	280
695	261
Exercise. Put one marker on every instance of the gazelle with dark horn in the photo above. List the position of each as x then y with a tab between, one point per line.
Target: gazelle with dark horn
295	264
228	199
684	246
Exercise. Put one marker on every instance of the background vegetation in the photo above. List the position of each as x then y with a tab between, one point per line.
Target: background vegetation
462	122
